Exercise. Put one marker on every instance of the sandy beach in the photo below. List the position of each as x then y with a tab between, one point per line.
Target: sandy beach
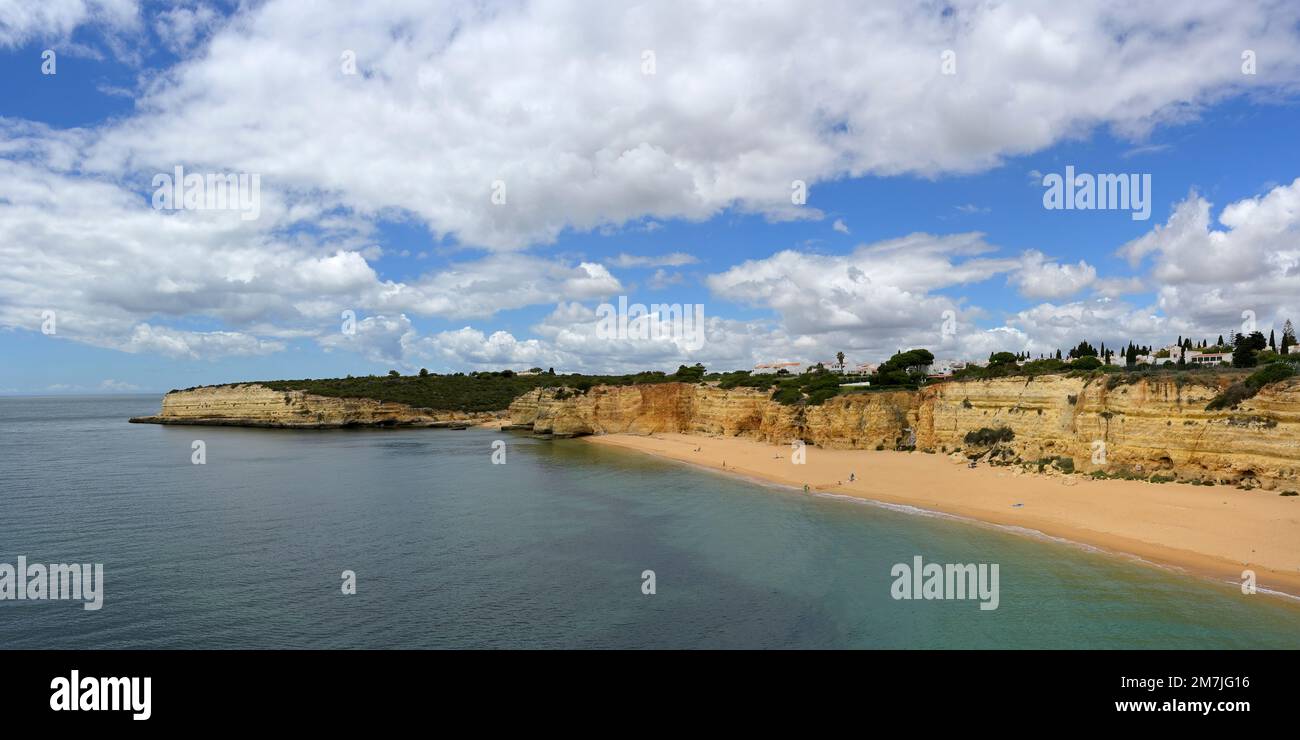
1215	532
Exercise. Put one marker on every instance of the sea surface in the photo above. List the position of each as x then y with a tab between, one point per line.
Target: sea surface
545	551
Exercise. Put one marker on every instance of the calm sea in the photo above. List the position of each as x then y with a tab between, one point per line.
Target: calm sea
545	551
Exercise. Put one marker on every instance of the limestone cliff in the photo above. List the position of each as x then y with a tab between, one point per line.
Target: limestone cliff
1152	426
255	405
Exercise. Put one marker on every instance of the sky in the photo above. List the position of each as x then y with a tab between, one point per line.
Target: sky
462	186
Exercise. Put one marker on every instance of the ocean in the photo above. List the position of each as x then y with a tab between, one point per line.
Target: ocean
548	550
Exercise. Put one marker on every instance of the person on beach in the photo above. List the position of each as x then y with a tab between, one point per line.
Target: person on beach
852	477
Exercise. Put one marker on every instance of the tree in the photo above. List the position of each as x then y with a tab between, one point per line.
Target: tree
1271	344
1288	337
1131	356
1083	350
394	374
840	357
903	367
1244	349
424	373
690	374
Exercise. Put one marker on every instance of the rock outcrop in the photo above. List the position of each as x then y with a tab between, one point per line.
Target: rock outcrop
252	405
1153	426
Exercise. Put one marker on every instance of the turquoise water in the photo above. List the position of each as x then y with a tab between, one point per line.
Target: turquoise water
546	550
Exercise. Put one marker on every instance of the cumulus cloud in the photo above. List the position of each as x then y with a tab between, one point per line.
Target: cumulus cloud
550	99
193	344
878	289
549	105
114	271
1040	278
1209	276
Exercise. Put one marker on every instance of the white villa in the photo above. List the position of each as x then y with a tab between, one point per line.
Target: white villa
1173	352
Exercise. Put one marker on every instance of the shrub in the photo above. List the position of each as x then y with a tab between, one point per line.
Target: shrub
1270	373
787	396
1246	389
821	395
1086	363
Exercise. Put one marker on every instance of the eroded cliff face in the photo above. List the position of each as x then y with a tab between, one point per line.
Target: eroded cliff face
258	406
1158	424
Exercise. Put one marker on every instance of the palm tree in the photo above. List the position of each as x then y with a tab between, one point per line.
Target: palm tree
840	357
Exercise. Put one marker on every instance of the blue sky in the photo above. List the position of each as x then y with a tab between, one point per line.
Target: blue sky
671	188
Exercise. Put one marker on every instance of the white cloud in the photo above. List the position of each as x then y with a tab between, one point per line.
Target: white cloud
1208	277
180	26
662	279
674	259
582	139
115	271
1039	278
1114	287
54	20
193	344
549	98
880	291
118	386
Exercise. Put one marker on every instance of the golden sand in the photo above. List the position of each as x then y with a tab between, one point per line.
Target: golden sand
1213	531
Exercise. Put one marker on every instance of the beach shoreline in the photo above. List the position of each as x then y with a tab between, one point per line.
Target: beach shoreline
1212	532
